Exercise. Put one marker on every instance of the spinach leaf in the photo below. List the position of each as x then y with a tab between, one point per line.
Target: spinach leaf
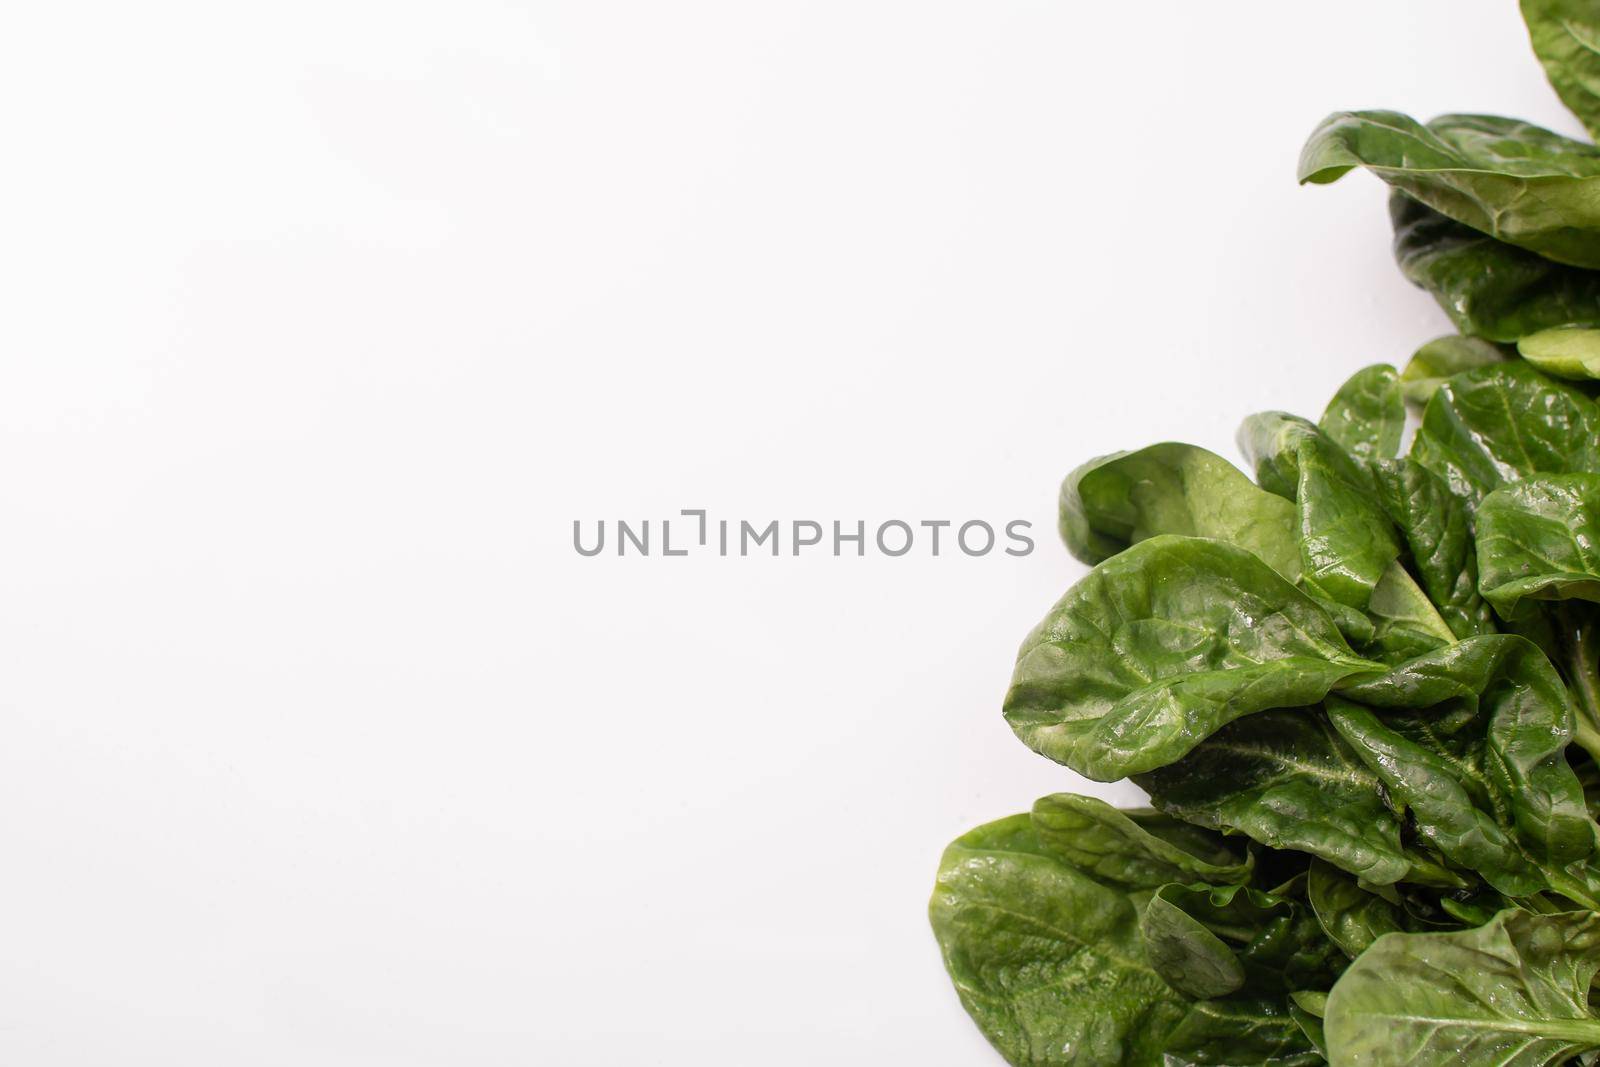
1566	38
1501	423
1241	1032
1433	521
1368	414
1159	647
1496	711
1514	992
1186	954
1407	623
1082	535
1306	1007
1540	539
1212	941
1535	546
1139	849
1346	541
1048	962
1352	917
1564	351
1489	289
1472	743
1271	442
1512	180
1289	781
1441	358
1109	503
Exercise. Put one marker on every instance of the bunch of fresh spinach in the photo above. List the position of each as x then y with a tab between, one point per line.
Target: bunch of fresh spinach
1360	684
1362	691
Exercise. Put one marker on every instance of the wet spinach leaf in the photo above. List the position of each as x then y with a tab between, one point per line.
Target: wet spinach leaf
1346	541
1239	1031
1367	416
1115	501
1289	781
1566	38
1490	289
1048	962
1513	180
1564	351
1436	528
1138	848
1351	917
1514	991
1539	539
1213	941
1161	646
1501	423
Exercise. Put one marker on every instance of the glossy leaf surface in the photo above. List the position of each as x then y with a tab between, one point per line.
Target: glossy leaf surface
1287	780
1490	289
1514	993
1241	1032
1161	646
1517	182
1048	962
1539	539
1435	526
1501	423
1115	501
1566	38
1352	917
1368	414
1564	351
1140	849
1442	358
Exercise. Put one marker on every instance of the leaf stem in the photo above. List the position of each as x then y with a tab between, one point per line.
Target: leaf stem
1572	889
1583	670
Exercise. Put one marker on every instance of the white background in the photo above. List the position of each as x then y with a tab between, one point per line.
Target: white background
322	322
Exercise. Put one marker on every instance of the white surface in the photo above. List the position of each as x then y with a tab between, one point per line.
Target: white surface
324	321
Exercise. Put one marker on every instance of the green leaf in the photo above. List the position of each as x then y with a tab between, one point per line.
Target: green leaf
1271	442
1159	647
1352	917
1489	289
1566	38
1287	780
1139	849
1473	912
1211	941
1501	423
1512	180
1314	1002
1433	521
1241	1032
1114	501
1513	993
1565	351
1494	705
1540	539
1306	1008
1472	742
1346	540
1188	956
1407	622
1441	358
1048	962
1367	415
1083	536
